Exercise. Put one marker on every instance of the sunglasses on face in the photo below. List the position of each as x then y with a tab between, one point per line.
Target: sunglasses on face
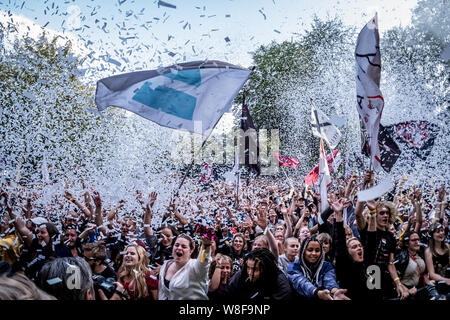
89	259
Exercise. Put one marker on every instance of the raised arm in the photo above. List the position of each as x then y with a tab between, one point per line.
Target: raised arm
360	220
300	221
148	214
263	224
69	196
88	203
288	222
19	224
98	209
372	221
350	185
441	205
180	217
418	209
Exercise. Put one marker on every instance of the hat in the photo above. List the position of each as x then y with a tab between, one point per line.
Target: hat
38	220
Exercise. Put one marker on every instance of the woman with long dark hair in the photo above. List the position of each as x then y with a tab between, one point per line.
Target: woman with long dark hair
352	257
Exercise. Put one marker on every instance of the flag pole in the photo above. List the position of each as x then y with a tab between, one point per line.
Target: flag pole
236	160
318	125
289	180
192	163
203	144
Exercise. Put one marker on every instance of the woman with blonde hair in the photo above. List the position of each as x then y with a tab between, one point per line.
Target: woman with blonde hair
221	271
134	276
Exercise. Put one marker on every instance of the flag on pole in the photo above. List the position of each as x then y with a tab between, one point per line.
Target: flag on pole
206	173
250	144
176	96
236	168
328	131
370	101
312	177
324	178
285	161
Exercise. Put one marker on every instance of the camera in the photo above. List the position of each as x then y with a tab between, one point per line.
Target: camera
107	285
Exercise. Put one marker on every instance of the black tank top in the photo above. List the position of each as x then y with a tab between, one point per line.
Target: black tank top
440	263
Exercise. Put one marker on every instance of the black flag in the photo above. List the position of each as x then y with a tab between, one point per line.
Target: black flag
416	135
389	150
246	124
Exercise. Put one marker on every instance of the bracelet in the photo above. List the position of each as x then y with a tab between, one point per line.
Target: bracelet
121	294
316	293
72	199
372	211
396	279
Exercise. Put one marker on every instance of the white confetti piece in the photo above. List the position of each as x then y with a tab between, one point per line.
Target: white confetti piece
54	281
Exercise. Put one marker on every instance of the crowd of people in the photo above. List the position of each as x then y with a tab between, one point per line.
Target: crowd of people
266	239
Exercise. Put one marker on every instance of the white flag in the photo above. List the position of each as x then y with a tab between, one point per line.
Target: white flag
370	102
178	96
236	168
324	178
328	131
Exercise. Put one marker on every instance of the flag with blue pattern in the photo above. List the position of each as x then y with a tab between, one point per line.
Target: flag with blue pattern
191	96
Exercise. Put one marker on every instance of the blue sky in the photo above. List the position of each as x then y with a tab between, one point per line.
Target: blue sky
137	34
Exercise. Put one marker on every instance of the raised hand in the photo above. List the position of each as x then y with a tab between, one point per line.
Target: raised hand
153	197
338	205
371	204
261	215
97	199
68	195
442	193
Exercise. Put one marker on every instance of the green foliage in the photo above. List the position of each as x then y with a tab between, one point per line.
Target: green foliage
45	108
279	89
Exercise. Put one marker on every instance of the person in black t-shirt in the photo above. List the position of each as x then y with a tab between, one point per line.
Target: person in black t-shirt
385	213
95	255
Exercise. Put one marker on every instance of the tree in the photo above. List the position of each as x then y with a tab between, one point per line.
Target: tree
287	75
46	116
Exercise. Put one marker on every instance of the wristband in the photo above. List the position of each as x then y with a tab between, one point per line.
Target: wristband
72	199
316	293
372	211
122	295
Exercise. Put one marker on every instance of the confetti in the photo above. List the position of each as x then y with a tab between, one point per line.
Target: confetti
264	15
54	281
165	4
